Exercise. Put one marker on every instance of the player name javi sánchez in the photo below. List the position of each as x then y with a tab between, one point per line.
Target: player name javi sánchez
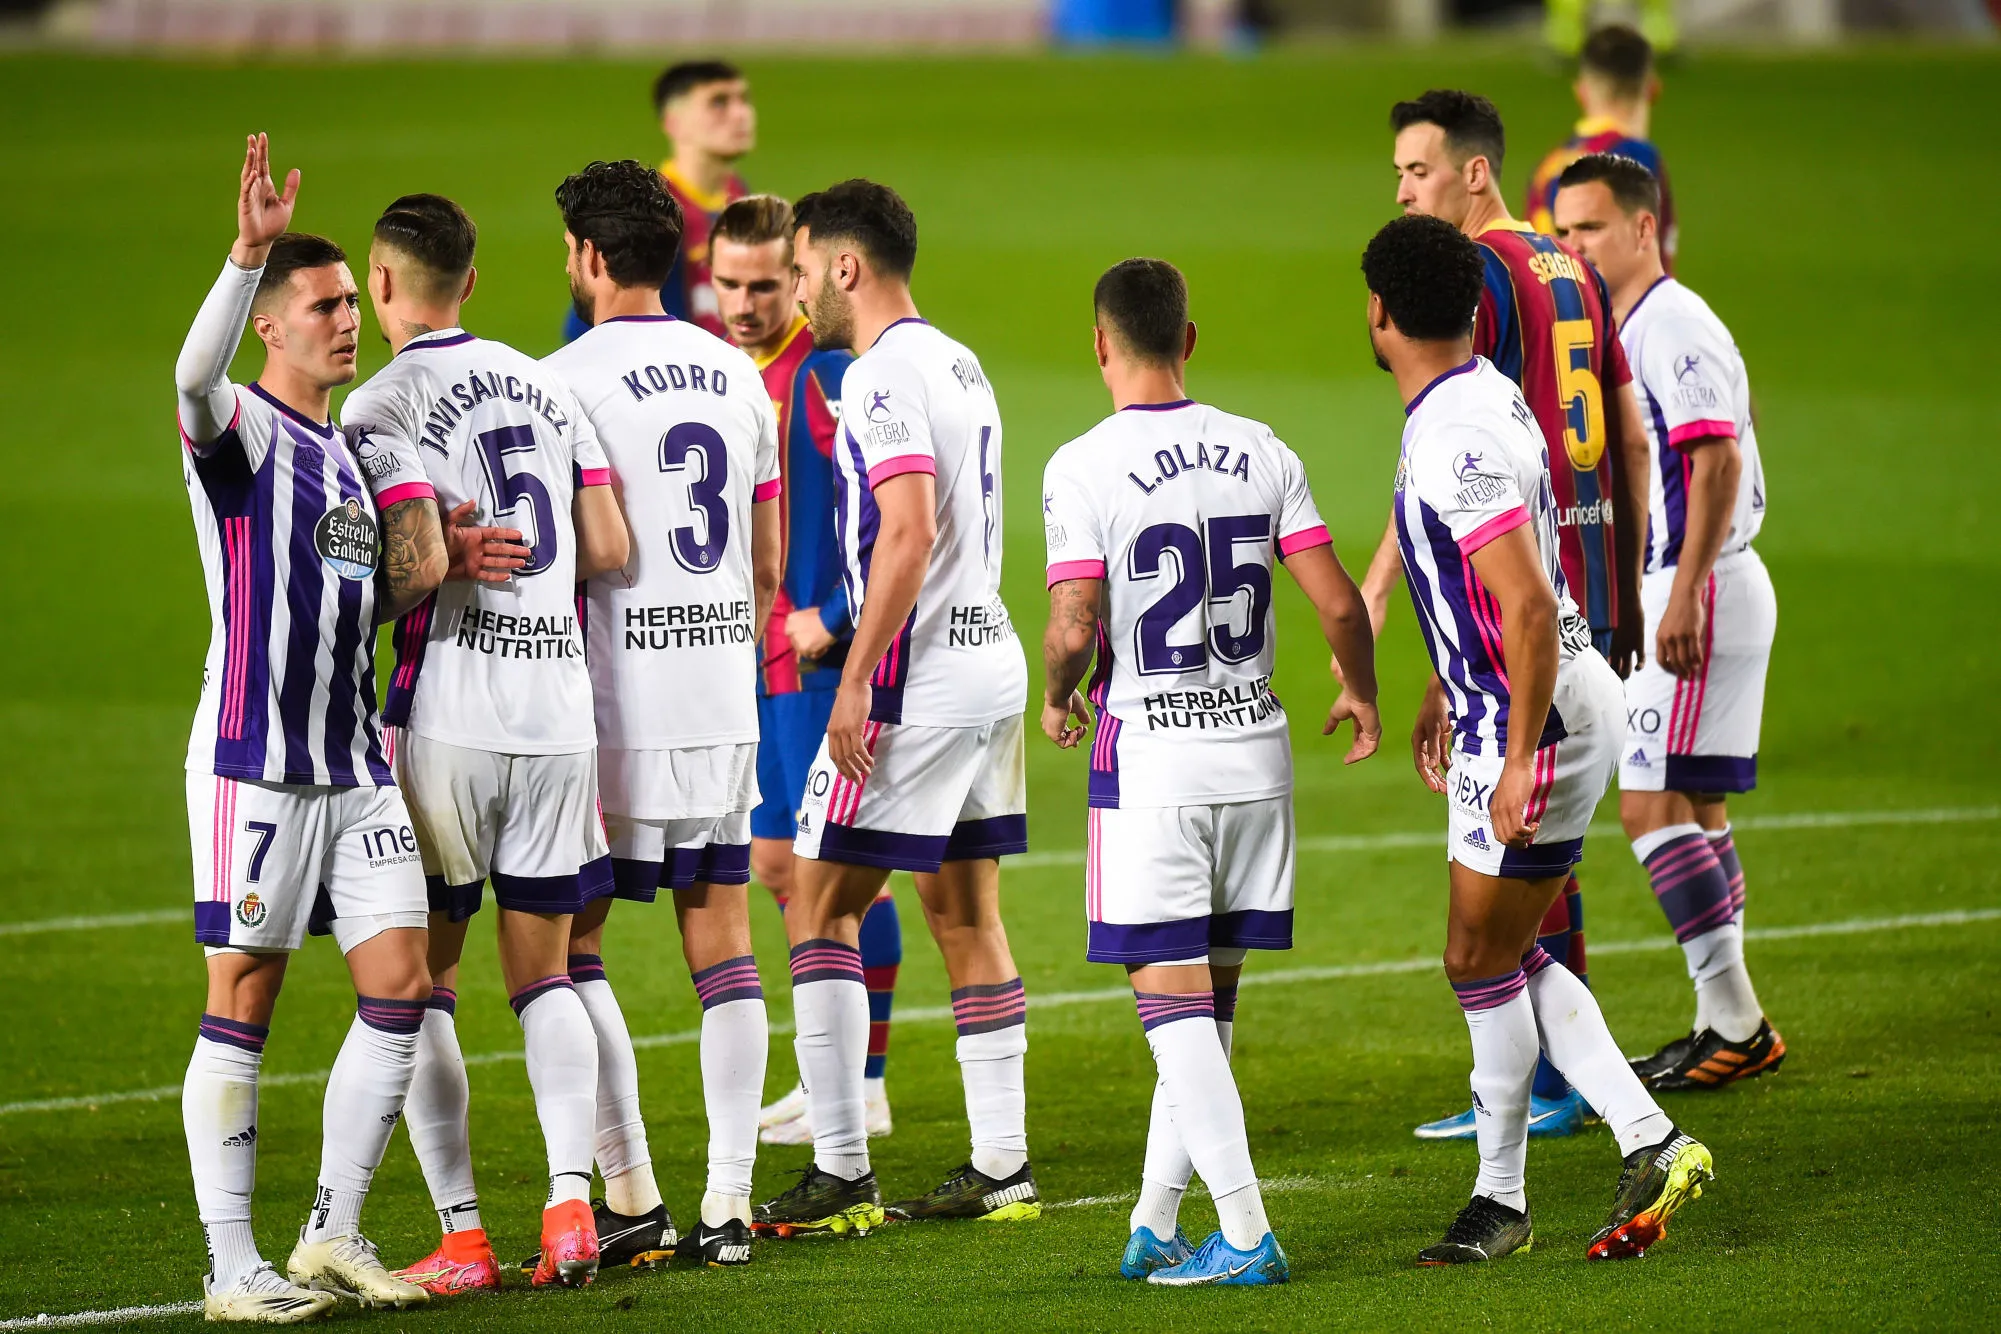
497	632
1211	707
1176	462
476	388
690	625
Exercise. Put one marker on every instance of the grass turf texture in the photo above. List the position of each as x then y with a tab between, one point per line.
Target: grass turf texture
1846	1182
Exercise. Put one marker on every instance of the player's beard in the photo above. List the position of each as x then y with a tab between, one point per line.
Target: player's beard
1382	363
832	318
580	302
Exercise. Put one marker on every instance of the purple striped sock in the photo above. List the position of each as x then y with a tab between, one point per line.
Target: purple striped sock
990	1007
1226	1004
537	989
443	998
1156	1008
731	980
1535	961
586	968
1725	848
1488	992
234	1032
824	960
390	1016
1690	885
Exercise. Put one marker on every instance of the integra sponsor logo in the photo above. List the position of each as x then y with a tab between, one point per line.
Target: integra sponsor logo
347	540
690	625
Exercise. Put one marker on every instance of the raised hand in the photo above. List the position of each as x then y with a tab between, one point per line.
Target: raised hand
262	213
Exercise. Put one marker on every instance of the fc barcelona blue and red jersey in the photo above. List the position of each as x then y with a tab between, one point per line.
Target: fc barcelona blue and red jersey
805	387
1598	136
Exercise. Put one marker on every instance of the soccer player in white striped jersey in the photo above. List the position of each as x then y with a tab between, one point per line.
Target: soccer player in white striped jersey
1163	524
496	749
292	812
692	441
1520	728
922	768
1692	711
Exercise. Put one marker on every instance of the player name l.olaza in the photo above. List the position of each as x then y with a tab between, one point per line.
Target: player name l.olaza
1173	463
974	624
689	625
475	389
505	635
650	380
1210	708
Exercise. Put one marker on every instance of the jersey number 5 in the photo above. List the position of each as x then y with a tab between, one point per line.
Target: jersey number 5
510	490
1577	386
1204	575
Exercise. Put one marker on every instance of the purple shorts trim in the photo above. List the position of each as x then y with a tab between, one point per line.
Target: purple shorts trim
642	881
1252	929
996	836
1160	942
1540	861
212	923
538	893
456	902
879	847
1711	773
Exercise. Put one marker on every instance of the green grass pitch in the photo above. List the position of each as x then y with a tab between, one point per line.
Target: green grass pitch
1837	211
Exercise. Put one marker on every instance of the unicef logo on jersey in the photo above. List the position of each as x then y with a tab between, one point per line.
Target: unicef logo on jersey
347	541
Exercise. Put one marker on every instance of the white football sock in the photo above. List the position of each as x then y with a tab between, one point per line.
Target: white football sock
736	1035
1723	992
563	1070
1159	1206
992	1067
1574	1034
832	1042
622	1154
1206	1109
365	1093
720	1209
219	1114
1504	1059
1240	1216
435	1116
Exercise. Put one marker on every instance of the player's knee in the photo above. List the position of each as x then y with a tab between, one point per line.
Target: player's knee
771	865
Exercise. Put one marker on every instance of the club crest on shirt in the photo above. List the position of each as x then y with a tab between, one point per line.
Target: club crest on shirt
347	540
250	910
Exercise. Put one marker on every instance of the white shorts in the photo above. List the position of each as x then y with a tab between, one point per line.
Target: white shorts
528	822
936	795
1701	735
1571	776
272	861
1170	883
676	818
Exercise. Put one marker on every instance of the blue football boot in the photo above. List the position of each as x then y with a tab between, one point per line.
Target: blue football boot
1547	1117
1146	1252
1219	1262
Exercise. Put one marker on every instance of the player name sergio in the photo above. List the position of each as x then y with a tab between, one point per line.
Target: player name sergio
1211	708
1173	463
690	625
475	389
508	636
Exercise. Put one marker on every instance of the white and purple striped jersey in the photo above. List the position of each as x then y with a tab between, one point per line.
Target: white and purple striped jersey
289	548
1692	386
1184	511
692	439
917	401
492	667
1475	466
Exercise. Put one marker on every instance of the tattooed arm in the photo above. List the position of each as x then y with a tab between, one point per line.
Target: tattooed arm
1067	646
413	557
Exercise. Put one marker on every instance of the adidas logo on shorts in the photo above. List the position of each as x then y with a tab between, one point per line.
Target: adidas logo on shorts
1477	839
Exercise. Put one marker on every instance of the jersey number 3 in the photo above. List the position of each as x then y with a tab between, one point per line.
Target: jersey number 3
698	553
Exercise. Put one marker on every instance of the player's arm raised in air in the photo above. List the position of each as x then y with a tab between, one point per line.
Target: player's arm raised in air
1511	569
1715	467
1067	645
906	531
1346	624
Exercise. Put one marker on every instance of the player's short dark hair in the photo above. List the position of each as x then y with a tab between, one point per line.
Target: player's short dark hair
435	232
1631	184
755	220
290	253
679	78
1620	56
624	209
870	217
1428	274
1471	123
1144	304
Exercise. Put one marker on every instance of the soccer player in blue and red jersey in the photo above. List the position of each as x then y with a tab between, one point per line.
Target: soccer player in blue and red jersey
1616	87
706	113
806	640
1545	322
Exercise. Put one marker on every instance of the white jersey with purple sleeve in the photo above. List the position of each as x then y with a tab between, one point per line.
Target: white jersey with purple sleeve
1475	466
1184	511
917	401
1692	386
490	667
692	440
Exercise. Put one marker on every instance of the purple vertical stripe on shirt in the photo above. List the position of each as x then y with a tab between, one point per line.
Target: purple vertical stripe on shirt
1666	547
303	586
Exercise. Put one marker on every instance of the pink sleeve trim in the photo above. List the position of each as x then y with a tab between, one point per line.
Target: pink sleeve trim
190	442
1705	430
594	477
1493	528
764	491
896	467
1303	540
403	491
1075	569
